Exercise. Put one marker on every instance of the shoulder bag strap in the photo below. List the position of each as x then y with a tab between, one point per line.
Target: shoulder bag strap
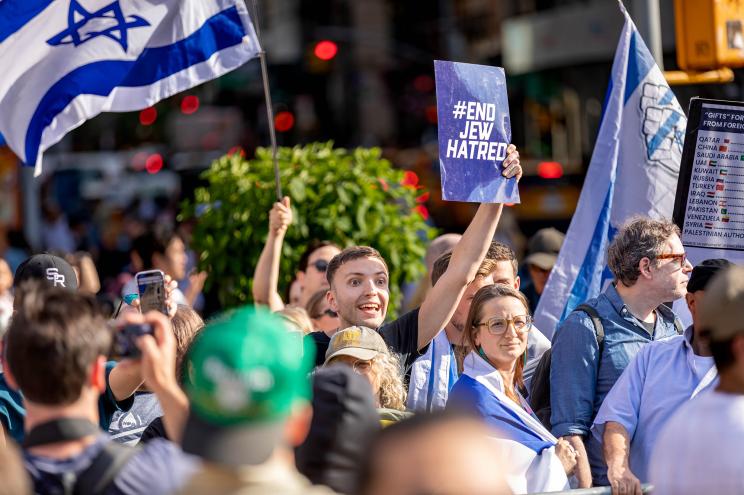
109	462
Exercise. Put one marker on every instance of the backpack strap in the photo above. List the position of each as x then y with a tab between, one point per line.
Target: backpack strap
597	322
678	326
106	466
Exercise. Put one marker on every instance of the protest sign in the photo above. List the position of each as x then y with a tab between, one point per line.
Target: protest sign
709	205
474	131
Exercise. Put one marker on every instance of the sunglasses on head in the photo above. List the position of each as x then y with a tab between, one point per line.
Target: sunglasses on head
320	265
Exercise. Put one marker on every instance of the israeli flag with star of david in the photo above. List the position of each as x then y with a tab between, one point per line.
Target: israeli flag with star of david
65	61
633	171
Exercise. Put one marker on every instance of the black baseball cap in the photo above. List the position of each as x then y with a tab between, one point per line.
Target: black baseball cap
704	272
51	270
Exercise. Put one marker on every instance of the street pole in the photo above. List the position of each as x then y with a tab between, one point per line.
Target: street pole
267	98
647	17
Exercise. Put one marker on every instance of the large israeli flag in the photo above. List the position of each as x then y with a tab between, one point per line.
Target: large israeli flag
65	61
633	171
528	449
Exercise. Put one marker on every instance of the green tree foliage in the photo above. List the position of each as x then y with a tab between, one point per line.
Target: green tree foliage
351	197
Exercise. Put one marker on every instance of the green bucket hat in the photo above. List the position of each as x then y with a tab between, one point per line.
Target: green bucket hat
246	373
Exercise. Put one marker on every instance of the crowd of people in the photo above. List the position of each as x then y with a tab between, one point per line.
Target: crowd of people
321	392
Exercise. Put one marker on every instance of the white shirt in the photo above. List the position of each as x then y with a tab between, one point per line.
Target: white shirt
699	451
659	379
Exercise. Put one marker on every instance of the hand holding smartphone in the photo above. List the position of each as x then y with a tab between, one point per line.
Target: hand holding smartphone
151	288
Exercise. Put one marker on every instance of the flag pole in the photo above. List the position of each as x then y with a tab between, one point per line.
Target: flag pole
267	98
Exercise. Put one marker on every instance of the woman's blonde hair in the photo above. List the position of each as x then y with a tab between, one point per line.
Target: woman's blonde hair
298	318
481	297
389	372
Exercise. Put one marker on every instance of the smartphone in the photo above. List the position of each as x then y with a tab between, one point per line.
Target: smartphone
151	287
125	339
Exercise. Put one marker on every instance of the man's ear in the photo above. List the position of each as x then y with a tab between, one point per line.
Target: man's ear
517	282
331	298
298	424
644	267
737	348
97	378
690	300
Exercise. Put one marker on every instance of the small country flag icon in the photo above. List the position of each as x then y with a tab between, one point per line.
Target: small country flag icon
724	211
713	163
722	203
711	194
719	187
724	171
708	225
723	148
726	140
724	219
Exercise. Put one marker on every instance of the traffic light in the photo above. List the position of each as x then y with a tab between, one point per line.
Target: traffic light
709	34
325	50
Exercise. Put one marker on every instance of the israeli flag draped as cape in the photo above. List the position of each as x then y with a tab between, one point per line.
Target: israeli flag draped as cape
65	61
528	449
633	171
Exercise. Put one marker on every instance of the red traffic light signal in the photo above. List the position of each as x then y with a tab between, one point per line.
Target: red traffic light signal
325	50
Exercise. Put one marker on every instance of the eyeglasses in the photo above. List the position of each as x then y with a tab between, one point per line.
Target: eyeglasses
682	257
320	265
497	325
362	367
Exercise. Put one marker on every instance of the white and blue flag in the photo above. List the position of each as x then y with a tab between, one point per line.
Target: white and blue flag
66	61
633	171
528	449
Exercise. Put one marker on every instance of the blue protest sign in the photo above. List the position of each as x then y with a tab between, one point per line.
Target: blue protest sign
474	131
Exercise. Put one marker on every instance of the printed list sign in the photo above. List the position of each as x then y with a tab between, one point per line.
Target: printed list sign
474	131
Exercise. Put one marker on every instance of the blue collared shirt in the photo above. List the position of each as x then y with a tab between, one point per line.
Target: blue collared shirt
578	382
661	378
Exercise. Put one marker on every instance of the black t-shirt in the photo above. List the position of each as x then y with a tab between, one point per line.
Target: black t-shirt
401	336
321	341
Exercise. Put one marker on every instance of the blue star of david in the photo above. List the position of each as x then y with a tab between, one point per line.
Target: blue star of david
78	17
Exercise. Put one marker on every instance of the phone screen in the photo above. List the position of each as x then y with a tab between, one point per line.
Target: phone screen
151	286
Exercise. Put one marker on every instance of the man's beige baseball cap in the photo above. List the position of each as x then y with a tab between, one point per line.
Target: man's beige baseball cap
359	342
722	309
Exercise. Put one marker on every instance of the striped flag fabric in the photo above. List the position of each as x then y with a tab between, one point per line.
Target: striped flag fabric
633	171
527	447
65	61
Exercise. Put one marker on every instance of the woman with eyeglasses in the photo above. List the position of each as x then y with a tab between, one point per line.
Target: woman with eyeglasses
495	333
366	353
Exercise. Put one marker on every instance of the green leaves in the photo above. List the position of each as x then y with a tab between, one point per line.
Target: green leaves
349	197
